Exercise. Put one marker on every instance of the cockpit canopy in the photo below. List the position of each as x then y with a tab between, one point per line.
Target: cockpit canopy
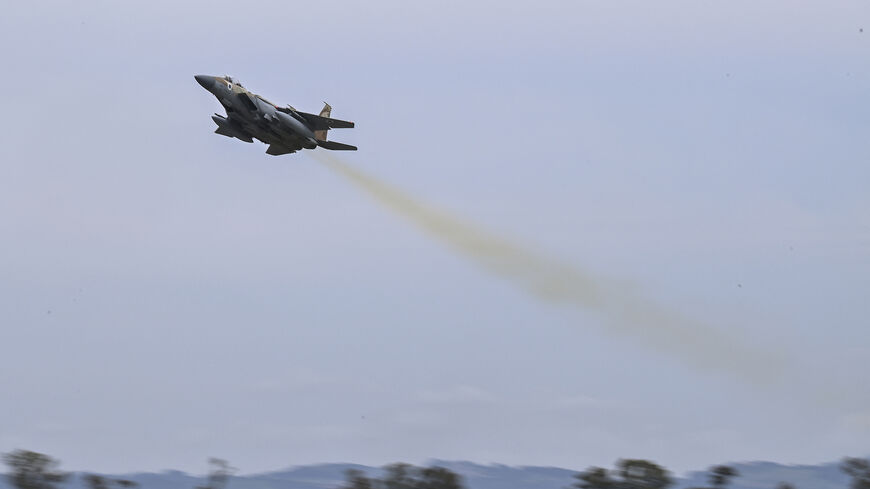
232	80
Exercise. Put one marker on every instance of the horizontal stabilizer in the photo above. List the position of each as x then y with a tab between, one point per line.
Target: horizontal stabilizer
319	123
336	146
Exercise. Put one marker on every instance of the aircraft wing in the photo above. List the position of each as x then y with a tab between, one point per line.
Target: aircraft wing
319	123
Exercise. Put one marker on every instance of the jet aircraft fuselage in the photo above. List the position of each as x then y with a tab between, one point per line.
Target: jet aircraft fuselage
284	129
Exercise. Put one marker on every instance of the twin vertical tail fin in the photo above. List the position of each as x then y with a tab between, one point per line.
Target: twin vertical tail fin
322	123
326	112
321	134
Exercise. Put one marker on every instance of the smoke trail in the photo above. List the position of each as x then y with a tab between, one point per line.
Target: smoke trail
560	283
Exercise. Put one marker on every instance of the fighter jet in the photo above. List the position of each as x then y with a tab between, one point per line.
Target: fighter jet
284	129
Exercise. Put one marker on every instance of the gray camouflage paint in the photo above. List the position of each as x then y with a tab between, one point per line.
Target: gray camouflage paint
250	116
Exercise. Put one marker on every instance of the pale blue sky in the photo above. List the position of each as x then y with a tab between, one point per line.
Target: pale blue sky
209	300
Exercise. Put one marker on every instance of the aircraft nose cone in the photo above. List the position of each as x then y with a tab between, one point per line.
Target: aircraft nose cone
206	81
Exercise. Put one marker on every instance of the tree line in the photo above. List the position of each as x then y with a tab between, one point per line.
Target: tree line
33	470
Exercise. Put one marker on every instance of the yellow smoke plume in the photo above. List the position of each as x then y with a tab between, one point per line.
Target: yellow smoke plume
624	311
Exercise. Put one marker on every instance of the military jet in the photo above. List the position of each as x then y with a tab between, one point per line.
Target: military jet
284	129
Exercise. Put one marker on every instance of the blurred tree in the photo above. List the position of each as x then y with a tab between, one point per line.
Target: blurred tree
594	478
399	476
94	481
439	478
356	479
643	474
721	475
218	474
859	470
32	470
406	476
784	485
632	474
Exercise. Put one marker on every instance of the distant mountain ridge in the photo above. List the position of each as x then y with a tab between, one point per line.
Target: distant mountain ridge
753	475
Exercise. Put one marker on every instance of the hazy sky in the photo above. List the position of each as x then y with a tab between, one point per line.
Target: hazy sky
168	294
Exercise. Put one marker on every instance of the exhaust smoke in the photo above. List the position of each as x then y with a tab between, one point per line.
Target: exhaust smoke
623	310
